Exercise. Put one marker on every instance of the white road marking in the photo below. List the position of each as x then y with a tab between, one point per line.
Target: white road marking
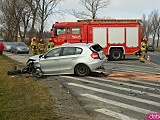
115	87
115	114
124	83
116	94
147	83
135	71
143	67
119	104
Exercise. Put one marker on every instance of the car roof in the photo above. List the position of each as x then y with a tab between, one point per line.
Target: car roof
19	43
78	44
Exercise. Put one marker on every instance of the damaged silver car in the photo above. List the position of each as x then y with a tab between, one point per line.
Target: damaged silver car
79	58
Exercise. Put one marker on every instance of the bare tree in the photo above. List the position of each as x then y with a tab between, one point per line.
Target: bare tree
34	5
14	18
154	17
92	7
146	26
8	18
25	19
46	8
158	32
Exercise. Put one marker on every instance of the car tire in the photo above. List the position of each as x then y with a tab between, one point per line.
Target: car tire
16	52
38	72
82	70
116	54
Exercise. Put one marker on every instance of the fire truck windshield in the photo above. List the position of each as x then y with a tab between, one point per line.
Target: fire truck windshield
60	30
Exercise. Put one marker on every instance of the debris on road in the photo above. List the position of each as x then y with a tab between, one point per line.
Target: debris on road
132	76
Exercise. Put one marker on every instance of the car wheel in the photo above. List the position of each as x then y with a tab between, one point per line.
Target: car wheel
38	72
116	54
16	52
82	70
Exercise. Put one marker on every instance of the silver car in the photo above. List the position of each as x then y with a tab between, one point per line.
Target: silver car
20	47
78	58
7	46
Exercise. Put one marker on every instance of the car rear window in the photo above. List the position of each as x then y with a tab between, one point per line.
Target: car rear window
96	48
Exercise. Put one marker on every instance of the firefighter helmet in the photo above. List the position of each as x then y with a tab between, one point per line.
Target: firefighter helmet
34	38
144	39
50	39
41	40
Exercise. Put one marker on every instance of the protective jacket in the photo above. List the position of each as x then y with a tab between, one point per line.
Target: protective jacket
50	46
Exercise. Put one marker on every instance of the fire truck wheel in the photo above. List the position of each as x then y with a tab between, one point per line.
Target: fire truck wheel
82	70
116	54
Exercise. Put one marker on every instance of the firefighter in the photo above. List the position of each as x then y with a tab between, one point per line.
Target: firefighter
143	49
50	44
41	47
34	46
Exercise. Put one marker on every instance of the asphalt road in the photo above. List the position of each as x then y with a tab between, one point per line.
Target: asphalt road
108	99
155	57
130	64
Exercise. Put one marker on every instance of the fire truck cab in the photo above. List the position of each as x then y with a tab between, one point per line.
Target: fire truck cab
117	37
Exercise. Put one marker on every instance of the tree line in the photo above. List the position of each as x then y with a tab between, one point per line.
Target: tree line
26	18
151	26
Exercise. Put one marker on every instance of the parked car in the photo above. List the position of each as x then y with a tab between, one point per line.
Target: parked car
8	45
1	40
150	48
19	47
77	58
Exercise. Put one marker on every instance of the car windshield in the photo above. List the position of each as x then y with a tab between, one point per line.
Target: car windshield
53	53
9	43
21	44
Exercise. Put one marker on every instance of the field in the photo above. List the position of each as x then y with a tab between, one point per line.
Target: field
23	98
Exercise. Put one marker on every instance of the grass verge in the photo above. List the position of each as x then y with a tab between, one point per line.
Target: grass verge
157	49
23	98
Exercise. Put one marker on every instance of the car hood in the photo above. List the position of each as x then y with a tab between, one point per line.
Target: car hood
35	57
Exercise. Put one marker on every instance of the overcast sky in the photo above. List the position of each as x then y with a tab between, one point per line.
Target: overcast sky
117	9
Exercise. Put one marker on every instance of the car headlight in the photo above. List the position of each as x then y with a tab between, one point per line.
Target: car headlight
18	48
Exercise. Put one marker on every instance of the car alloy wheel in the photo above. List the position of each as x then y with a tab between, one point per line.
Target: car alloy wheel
82	70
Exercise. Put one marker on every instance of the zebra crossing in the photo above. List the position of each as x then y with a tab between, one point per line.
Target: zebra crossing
107	99
130	67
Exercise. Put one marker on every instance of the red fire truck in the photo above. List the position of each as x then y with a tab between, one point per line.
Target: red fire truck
118	37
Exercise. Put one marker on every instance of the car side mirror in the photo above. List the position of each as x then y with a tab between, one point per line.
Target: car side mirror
40	55
45	56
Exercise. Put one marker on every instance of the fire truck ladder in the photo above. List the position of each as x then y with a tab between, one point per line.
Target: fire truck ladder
111	20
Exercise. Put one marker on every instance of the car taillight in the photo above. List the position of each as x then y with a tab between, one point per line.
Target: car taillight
95	55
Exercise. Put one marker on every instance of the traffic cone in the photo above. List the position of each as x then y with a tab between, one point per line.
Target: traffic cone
148	58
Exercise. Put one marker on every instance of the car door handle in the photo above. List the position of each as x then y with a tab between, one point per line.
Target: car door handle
74	57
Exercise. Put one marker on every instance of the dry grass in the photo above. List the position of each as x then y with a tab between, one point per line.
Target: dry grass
23	98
